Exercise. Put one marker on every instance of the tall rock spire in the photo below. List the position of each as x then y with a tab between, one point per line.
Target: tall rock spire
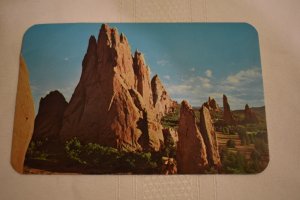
210	137
227	115
142	75
250	116
111	104
162	102
191	150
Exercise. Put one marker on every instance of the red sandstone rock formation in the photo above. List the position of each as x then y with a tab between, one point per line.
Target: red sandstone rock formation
48	121
142	78
161	100
250	116
112	103
170	133
227	115
212	105
191	150
210	138
24	119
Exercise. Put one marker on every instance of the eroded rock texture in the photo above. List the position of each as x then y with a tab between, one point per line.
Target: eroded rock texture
210	138
112	103
191	150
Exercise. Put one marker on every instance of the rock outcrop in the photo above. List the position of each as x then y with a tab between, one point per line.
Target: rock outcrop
48	121
170	133
112	103
191	150
212	105
24	119
210	138
142	78
161	99
250	116
227	115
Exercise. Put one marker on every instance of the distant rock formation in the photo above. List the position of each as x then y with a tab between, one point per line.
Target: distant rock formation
250	116
112	103
212	105
24	119
191	150
227	115
161	100
210	138
48	121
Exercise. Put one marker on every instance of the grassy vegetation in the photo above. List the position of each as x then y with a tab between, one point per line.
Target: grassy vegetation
92	158
171	120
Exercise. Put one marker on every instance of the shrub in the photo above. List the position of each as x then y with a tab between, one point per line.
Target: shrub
233	162
36	151
225	130
108	159
230	144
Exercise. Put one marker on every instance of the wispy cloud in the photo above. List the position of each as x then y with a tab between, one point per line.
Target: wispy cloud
167	77
241	88
66	59
162	62
193	69
244	76
205	82
208	73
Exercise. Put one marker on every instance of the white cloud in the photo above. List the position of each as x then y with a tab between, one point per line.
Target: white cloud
244	76
208	73
242	87
66	59
205	82
162	62
179	89
167	77
193	69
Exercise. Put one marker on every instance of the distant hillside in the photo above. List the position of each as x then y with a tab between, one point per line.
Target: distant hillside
259	111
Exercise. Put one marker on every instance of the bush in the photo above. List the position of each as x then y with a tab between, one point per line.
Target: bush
225	130
244	137
233	162
36	151
108	159
230	144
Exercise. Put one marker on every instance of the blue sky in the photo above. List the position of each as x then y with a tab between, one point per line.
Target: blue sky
193	60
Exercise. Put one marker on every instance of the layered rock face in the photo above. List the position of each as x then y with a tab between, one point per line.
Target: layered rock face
161	100
210	138
191	150
250	116
212	105
112	102
48	121
24	119
227	115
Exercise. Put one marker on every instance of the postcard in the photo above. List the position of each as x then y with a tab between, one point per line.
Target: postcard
140	98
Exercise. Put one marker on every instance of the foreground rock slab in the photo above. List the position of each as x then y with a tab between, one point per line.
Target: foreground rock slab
24	119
